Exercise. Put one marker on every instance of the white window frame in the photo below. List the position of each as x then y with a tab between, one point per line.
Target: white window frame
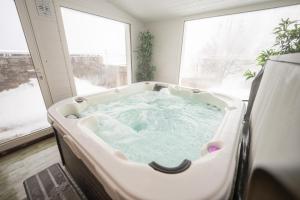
88	9
219	13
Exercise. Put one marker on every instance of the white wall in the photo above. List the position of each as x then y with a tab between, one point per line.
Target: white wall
51	42
168	37
167	49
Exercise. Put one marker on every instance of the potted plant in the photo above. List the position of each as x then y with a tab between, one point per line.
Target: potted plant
287	41
145	69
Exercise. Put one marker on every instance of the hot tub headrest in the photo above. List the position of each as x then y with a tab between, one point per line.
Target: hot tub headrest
158	87
184	165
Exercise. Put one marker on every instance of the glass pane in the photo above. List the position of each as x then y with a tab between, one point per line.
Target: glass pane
21	103
217	51
97	48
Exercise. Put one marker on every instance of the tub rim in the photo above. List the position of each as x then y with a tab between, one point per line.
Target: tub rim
112	182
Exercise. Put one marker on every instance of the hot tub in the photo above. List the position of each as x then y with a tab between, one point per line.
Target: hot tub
150	140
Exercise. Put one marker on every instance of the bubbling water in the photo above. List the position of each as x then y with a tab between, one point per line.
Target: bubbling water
157	126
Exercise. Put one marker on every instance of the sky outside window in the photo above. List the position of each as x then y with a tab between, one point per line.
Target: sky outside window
91	34
218	50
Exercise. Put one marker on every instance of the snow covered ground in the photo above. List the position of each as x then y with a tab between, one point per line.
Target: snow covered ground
84	87
22	111
234	85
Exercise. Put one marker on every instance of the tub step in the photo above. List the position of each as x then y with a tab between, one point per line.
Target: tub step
52	183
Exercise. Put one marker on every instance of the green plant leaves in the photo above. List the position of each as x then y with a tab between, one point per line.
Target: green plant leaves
264	56
287	40
249	74
145	70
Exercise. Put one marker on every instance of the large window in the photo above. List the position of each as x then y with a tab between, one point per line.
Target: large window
218	50
98	49
22	108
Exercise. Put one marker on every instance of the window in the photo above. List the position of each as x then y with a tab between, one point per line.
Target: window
22	108
98	51
218	50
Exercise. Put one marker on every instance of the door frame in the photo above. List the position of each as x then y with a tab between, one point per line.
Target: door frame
34	51
40	74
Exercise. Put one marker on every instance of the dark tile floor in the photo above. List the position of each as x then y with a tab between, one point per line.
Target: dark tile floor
17	166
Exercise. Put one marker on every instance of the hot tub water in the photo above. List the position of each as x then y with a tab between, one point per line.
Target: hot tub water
157	126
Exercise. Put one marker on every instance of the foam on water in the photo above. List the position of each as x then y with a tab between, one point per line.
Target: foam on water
157	126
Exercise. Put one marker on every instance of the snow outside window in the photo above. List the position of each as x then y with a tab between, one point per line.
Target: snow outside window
218	50
22	108
97	48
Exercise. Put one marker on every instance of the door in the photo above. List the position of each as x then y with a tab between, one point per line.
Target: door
24	93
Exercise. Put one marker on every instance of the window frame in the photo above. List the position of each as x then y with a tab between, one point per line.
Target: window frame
220	13
84	9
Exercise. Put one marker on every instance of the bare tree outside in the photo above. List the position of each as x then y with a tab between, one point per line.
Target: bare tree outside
218	50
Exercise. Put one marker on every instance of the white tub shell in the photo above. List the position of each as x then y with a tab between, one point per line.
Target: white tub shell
209	177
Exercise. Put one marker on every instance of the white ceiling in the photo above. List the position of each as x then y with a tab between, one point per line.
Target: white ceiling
153	10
